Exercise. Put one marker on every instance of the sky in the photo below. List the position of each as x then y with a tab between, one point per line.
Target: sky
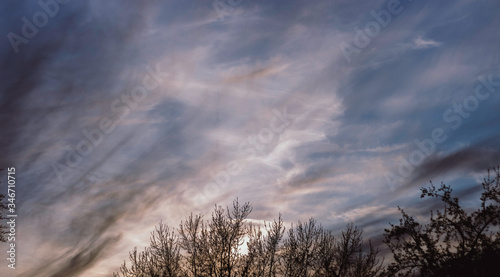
120	114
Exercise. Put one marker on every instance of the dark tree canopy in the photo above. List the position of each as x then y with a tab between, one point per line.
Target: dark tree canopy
454	242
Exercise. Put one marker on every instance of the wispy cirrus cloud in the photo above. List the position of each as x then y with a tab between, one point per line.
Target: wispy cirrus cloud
223	81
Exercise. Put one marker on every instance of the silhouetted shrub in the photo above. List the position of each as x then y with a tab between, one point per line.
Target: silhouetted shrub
454	242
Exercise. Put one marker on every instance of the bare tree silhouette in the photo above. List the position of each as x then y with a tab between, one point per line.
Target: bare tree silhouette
351	259
161	258
262	257
311	251
213	249
192	243
300	249
223	238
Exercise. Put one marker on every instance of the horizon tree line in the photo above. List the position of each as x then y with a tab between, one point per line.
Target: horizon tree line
453	242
